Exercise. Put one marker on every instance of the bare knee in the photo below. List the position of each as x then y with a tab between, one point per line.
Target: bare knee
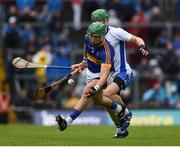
107	93
112	95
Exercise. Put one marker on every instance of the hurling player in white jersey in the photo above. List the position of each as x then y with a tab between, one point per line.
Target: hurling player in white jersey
123	75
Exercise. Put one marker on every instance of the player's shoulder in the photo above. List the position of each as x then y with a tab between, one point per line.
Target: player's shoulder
86	39
115	30
107	45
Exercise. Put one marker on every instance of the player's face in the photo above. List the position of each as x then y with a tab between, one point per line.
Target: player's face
96	40
105	22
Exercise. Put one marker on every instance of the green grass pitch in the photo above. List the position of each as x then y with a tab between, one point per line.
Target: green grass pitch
88	136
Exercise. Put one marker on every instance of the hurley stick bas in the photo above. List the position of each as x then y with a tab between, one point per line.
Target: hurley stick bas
40	93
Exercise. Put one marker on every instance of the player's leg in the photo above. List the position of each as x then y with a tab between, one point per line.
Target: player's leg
107	102
110	92
123	80
115	109
76	111
81	105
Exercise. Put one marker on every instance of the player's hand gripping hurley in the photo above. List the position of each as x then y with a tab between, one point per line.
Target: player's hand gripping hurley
40	93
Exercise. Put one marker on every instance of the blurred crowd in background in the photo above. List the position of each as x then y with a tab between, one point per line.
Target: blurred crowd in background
51	32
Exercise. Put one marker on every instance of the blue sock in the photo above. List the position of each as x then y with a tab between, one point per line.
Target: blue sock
75	113
113	105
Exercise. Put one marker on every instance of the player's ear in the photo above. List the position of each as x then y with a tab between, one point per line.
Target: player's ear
106	21
102	37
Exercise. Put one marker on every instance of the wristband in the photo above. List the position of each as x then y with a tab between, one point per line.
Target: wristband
97	87
85	59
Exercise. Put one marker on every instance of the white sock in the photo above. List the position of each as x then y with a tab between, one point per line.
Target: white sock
69	120
126	111
118	109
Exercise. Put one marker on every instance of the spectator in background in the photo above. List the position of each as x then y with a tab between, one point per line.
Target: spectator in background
169	61
114	21
76	5
176	41
154	3
162	39
174	96
54	17
61	55
12	34
169	9
61	45
177	10
150	74
32	44
46	39
27	15
116	6
56	23
21	4
27	32
5	98
143	68
154	97
128	9
62	39
12	11
139	18
55	5
44	16
155	72
89	7
156	16
147	75
43	56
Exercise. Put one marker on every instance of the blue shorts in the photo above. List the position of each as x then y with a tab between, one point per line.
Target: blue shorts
123	80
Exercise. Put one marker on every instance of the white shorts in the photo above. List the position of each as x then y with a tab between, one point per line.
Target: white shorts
91	76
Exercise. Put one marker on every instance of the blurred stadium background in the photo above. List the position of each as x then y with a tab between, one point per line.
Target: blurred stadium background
51	32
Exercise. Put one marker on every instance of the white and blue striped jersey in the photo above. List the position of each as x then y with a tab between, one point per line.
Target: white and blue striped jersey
117	38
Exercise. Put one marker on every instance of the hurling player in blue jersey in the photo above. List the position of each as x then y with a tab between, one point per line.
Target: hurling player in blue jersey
98	58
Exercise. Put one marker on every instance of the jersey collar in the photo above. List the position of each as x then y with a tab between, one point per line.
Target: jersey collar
107	29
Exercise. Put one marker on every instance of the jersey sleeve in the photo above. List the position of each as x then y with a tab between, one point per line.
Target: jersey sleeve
121	34
106	55
84	53
86	39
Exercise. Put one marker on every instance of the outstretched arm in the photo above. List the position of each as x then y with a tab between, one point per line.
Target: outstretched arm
140	43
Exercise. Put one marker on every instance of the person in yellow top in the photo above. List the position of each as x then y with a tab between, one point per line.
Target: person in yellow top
42	57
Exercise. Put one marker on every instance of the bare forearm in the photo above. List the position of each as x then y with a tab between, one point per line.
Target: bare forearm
104	75
140	43
137	40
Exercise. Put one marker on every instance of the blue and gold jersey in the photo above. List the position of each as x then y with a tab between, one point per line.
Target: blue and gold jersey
97	56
